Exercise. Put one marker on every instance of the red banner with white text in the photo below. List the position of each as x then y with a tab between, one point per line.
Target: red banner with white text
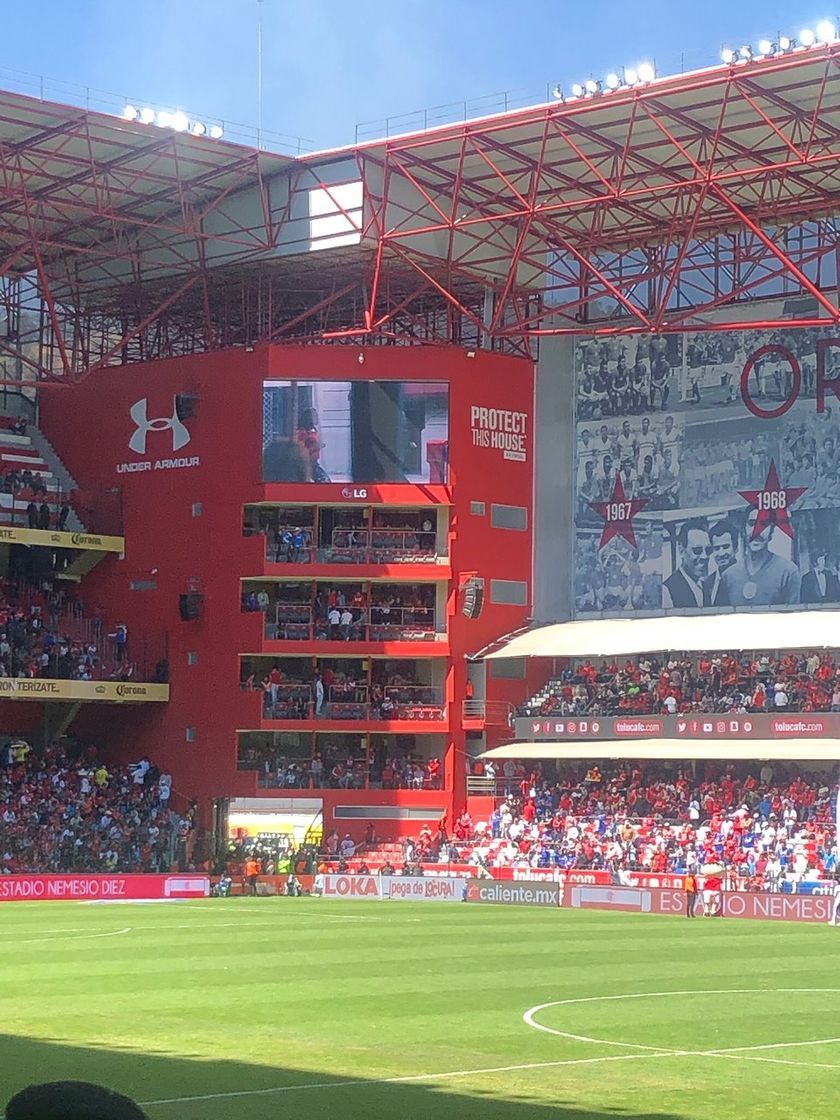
101	888
735	904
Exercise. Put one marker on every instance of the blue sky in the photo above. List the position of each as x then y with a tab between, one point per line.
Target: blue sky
330	65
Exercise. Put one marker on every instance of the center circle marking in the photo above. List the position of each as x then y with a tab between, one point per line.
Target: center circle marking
529	1018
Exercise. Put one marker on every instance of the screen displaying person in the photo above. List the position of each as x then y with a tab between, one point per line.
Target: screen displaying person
686	587
762	577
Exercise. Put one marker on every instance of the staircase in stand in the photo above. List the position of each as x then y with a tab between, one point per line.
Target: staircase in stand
34	452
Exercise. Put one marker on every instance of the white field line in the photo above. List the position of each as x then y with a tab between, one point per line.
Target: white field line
642	1052
199	923
403	1080
77	937
529	1017
651	1053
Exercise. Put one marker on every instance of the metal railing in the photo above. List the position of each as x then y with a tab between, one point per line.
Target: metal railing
380	546
493	786
297	622
17	402
493	713
481	787
28	500
416	703
421	120
106	101
141	657
293	545
289	544
297	773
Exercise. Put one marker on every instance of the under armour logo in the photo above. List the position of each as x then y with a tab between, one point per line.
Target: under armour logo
138	411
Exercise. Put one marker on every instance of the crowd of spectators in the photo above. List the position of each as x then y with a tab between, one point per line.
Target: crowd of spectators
47	507
344	612
763	823
295	536
343	763
44	635
78	814
327	693
676	684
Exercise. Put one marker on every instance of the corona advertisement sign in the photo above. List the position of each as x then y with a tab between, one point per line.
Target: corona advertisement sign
47	538
119	692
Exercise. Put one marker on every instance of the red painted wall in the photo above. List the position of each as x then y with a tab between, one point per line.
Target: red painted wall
167	544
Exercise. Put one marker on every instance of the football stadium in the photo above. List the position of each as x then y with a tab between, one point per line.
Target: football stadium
448	518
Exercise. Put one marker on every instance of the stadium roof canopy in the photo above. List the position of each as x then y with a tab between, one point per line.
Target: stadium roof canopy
620	637
644	209
72	179
807	749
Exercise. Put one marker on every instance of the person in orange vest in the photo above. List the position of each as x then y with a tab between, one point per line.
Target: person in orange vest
690	885
252	873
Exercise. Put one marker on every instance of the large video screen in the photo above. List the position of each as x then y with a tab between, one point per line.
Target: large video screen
707	471
355	431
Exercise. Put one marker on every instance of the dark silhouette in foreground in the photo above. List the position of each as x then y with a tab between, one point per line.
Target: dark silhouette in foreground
71	1100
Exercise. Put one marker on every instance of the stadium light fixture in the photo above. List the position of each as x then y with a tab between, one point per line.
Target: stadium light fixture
631	76
766	47
727	55
647	72
786	43
745	53
826	31
592	86
807	38
612	81
577	90
176	119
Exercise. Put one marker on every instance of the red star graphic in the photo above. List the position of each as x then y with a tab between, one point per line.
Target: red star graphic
773	503
618	514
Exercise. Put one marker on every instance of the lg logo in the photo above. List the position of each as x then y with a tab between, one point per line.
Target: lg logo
354	492
139	414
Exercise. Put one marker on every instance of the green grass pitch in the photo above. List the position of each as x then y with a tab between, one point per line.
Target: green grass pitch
227	1009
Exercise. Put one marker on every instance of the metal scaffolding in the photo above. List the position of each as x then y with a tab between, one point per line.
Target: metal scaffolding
667	207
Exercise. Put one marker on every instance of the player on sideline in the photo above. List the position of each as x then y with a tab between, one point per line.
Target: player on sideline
835	902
